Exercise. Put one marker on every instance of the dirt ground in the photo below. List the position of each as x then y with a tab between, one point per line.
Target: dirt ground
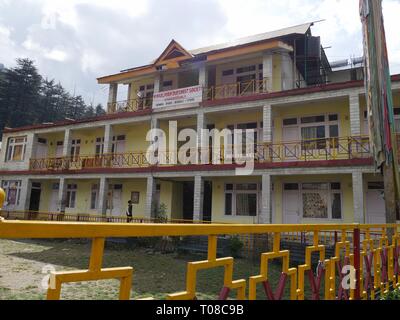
23	266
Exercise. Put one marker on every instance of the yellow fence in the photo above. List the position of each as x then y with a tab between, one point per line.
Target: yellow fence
370	252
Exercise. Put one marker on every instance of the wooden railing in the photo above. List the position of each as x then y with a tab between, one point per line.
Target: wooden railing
131	105
373	263
229	90
309	150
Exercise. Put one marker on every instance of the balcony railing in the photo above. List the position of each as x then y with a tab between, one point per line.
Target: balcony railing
229	90
308	150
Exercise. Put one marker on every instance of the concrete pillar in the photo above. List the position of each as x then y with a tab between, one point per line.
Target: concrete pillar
355	119
150	195
267	124
265	216
103	190
108	138
62	195
203	76
198	198
25	195
358	197
67	142
112	97
158	80
268	69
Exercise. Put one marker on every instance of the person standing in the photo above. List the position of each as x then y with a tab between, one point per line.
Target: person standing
129	211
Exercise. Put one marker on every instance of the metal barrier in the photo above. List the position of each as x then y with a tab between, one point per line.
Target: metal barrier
373	260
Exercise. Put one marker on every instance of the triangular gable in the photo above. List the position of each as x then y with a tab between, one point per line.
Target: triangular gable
174	51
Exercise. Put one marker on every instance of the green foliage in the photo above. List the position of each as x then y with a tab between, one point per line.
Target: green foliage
235	246
392	295
27	98
160	213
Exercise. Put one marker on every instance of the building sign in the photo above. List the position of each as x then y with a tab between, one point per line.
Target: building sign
178	97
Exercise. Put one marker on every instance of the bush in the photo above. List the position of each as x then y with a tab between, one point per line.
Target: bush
235	246
392	295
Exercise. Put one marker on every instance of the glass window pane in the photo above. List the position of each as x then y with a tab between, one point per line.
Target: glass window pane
315	186
229	186
246	186
333	117
336	206
335	186
313	119
290	122
17	153
334	131
291	186
246	204
315	205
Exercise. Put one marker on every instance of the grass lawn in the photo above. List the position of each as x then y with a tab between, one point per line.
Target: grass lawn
155	274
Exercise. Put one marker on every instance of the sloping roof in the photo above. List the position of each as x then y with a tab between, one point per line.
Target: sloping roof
300	29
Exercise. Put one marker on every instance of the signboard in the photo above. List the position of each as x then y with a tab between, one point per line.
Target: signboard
178	97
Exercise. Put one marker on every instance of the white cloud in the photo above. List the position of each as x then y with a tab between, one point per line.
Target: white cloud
76	41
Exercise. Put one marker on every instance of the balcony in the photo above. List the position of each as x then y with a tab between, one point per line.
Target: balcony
230	90
343	148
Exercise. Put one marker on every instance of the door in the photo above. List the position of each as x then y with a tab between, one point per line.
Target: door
41	151
116	209
188	200
59	151
34	203
54	199
291	213
207	202
291	147
375	204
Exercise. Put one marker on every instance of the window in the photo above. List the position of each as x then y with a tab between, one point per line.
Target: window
242	199
290	122
16	149
321	200
94	196
75	149
316	132
13	192
227	72
257	127
99	146
118	144
246	69
71	196
145	96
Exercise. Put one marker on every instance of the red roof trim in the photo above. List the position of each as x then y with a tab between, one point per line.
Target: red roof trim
256	97
201	167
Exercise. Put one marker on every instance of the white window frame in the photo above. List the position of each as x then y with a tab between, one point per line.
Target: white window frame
94	191
329	192
100	145
71	195
235	192
326	124
12	184
11	145
75	149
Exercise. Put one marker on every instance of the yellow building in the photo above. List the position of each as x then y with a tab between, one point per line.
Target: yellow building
312	160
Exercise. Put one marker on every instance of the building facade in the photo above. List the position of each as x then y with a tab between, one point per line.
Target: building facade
311	148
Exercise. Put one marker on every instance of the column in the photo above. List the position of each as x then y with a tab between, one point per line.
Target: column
108	138
31	143
358	197
62	195
265	216
103	190
203	76
25	195
158	80
355	120
112	97
67	142
150	194
198	198
268	69
267	123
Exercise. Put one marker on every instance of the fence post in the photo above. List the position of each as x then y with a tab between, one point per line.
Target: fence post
356	252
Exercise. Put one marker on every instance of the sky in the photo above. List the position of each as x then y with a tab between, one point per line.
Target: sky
77	41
